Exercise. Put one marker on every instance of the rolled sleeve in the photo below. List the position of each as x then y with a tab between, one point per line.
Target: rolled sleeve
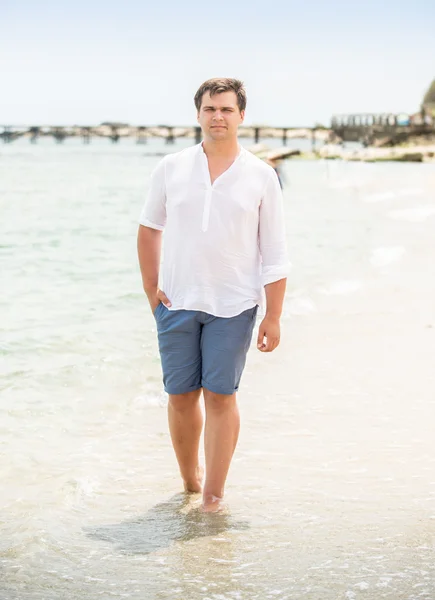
272	236
154	211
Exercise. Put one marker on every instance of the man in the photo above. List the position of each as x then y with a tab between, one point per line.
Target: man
221	209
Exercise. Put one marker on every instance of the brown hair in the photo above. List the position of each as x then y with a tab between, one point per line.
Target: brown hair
219	85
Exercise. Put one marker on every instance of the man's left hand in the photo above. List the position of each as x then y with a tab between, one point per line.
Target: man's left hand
269	329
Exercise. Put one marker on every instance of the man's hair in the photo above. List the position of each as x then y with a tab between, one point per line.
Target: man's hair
219	85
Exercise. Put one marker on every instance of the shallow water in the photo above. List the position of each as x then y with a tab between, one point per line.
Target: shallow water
332	490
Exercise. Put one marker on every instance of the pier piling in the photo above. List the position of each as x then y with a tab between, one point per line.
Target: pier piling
34	134
141	135
313	140
7	135
114	136
59	134
86	135
170	139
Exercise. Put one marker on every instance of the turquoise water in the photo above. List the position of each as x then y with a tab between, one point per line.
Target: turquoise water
332	489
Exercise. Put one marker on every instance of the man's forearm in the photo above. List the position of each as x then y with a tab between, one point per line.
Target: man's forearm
149	242
275	298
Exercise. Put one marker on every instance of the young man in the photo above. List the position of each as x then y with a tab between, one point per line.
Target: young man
221	209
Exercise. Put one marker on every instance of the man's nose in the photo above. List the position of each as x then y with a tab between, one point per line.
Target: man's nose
217	115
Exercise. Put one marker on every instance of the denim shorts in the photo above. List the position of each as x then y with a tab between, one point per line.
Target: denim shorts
200	350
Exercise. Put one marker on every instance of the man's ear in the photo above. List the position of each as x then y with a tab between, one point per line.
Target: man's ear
242	115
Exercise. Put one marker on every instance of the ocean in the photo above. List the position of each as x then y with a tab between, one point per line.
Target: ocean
331	492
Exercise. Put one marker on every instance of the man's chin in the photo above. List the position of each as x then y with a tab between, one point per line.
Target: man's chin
218	134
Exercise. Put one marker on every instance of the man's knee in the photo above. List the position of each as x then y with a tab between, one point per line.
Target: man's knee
218	402
184	402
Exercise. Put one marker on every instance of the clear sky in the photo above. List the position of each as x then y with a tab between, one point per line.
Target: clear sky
140	62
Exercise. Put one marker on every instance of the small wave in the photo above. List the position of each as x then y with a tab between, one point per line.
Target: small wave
5	348
301	433
390	194
78	489
300	306
150	400
411	192
346	184
362	585
347	286
414	215
343	184
380	196
381	257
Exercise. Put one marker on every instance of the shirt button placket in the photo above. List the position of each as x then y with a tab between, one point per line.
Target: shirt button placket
207	206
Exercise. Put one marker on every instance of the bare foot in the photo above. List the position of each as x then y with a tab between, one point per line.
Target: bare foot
212	504
194	486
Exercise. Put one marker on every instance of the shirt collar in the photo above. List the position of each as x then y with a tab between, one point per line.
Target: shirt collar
239	155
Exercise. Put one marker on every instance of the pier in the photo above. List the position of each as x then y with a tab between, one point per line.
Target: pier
115	132
382	129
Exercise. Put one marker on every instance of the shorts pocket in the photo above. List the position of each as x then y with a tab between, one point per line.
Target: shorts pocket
157	309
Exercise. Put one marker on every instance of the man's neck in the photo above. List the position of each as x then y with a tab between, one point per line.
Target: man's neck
224	149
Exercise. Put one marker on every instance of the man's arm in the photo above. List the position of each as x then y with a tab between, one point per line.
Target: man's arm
149	239
270	327
274	262
149	244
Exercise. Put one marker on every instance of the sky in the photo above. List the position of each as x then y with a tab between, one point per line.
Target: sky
141	62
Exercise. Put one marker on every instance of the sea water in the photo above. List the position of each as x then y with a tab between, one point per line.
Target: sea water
331	493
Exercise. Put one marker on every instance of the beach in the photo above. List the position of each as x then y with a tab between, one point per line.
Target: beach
331	493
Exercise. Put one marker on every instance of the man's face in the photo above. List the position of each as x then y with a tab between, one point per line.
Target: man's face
219	116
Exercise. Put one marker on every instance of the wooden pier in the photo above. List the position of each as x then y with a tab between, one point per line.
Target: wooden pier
367	128
115	132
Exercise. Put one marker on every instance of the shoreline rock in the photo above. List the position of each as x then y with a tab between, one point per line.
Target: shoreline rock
404	153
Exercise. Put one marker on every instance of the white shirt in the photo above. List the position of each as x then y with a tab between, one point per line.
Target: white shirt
223	241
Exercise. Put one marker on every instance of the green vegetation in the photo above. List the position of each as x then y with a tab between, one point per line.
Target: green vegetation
429	97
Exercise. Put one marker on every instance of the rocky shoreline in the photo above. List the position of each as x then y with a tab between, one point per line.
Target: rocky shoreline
405	153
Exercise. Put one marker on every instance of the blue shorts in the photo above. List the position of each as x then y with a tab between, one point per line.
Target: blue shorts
201	350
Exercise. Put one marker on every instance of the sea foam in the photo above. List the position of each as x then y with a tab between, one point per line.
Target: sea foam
382	257
414	215
346	286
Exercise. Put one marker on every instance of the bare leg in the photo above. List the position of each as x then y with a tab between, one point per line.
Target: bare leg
185	425
221	433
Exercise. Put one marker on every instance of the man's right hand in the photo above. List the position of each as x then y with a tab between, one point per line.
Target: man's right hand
158	297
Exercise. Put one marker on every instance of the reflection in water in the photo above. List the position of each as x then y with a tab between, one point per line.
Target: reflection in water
176	520
199	551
